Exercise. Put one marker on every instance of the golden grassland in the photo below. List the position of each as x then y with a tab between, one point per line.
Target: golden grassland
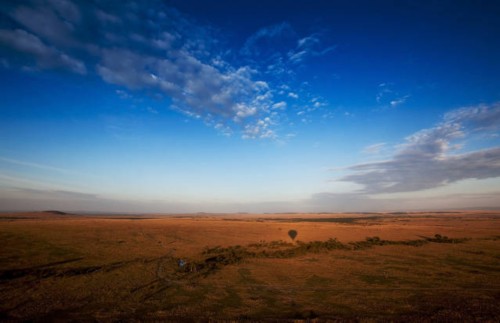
340	267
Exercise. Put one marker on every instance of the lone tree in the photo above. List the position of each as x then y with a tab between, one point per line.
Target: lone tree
292	234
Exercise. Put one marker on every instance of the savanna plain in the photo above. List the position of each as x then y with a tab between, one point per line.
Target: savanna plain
421	266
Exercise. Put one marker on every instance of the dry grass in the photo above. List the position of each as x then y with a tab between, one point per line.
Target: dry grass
245	267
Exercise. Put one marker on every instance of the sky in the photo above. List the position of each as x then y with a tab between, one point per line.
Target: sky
249	106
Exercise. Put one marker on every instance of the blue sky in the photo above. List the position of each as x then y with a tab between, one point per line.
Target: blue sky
249	106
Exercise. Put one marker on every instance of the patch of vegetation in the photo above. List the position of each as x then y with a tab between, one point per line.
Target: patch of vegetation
221	256
444	239
376	241
271	245
320	246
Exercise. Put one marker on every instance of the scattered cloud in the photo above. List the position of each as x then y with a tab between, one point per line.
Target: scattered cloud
262	128
278	49
388	97
159	50
45	57
278	52
429	158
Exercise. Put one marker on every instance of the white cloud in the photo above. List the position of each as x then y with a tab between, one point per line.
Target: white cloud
428	158
397	102
243	111
280	105
165	54
260	129
482	117
197	88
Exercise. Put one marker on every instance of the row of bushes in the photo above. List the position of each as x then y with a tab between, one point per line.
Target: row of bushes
444	239
220	256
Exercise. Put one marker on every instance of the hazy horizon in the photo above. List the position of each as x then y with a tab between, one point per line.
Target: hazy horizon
283	106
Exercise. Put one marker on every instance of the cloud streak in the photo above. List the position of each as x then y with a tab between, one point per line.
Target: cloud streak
35	165
375	148
429	158
354	202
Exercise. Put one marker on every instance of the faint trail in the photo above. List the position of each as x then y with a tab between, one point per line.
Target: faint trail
162	262
163	280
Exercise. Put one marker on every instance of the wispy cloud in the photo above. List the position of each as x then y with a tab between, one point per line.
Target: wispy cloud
35	165
310	46
388	97
53	194
429	158
269	42
399	101
374	149
354	202
278	48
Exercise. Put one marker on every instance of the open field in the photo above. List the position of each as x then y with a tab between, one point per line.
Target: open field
401	267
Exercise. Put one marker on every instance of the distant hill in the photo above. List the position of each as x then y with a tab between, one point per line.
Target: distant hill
55	212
